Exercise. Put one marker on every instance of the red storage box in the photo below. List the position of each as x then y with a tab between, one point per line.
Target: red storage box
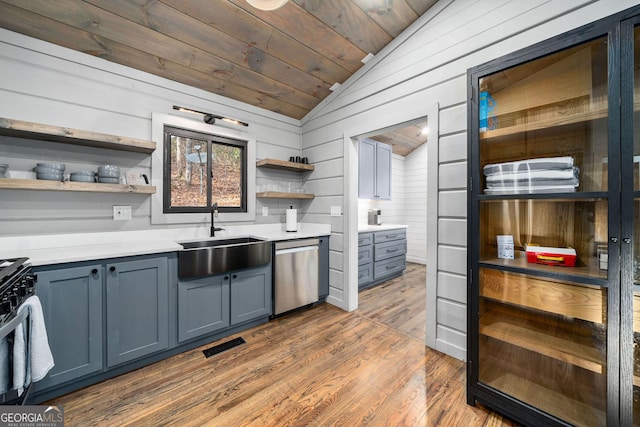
565	257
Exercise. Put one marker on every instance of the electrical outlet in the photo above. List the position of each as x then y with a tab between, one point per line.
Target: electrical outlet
265	211
336	210
121	213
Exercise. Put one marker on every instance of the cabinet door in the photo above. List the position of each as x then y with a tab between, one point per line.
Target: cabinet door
367	169
203	306
137	309
250	294
544	331
630	233
383	171
72	306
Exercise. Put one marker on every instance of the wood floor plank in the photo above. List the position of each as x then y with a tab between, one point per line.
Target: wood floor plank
316	367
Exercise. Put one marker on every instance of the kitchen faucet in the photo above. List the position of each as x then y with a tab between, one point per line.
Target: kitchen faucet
214	214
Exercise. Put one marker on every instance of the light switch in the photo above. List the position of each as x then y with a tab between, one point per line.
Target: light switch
265	211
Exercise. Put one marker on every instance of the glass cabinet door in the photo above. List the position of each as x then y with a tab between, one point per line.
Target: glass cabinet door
631	231
543	212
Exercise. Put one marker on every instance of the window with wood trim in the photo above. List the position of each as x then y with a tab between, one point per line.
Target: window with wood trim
201	170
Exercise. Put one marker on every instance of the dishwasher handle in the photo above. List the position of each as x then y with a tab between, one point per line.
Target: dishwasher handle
295	250
301	243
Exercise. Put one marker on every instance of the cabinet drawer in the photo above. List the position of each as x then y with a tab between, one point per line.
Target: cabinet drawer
389	235
390	249
365	254
389	266
365	239
365	274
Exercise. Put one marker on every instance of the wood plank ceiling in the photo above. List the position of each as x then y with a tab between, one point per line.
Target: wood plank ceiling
284	60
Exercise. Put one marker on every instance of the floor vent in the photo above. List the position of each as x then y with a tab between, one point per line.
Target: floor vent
223	347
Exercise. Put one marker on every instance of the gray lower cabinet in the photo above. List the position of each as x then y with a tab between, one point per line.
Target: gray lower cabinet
382	255
213	303
72	306
77	299
203	306
250	294
137	309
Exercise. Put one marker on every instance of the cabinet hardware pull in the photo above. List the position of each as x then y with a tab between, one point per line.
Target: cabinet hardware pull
627	240
235	276
112	269
389	251
94	271
226	277
614	239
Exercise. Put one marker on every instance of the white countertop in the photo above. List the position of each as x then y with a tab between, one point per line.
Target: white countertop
64	248
383	227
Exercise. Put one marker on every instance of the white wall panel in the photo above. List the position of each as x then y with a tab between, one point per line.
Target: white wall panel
452	259
452	231
453	314
452	175
453	148
452	203
452	286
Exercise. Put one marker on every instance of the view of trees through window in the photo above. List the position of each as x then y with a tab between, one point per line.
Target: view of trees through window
203	172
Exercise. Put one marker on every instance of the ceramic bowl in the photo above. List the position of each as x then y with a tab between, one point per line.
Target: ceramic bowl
105	180
58	166
109	174
49	176
81	178
108	169
44	170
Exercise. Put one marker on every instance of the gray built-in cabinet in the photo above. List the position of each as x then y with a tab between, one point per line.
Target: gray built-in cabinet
374	170
108	317
212	303
73	302
382	255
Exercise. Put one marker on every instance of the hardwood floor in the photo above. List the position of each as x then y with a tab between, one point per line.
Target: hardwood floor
318	367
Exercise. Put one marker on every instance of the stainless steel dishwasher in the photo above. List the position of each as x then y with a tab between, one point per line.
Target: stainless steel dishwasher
296	274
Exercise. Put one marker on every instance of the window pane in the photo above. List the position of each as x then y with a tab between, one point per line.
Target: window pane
227	175
188	172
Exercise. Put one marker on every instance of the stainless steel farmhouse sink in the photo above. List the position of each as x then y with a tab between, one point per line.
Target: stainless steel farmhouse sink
208	257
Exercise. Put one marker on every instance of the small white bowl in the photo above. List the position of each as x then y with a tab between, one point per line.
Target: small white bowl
59	166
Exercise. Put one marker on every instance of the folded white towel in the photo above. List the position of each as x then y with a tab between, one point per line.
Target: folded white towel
37	352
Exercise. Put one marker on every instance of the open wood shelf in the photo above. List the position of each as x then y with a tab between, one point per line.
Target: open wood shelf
283	195
22	129
284	165
561	405
549	341
36	184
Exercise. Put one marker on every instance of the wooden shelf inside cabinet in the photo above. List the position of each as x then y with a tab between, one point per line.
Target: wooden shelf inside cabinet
36	184
22	129
283	195
579	301
284	165
573	411
520	263
551	342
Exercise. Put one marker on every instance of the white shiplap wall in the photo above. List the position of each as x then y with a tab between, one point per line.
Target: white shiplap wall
45	83
423	67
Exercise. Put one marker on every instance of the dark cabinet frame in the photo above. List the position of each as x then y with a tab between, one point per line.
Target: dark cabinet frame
619	30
